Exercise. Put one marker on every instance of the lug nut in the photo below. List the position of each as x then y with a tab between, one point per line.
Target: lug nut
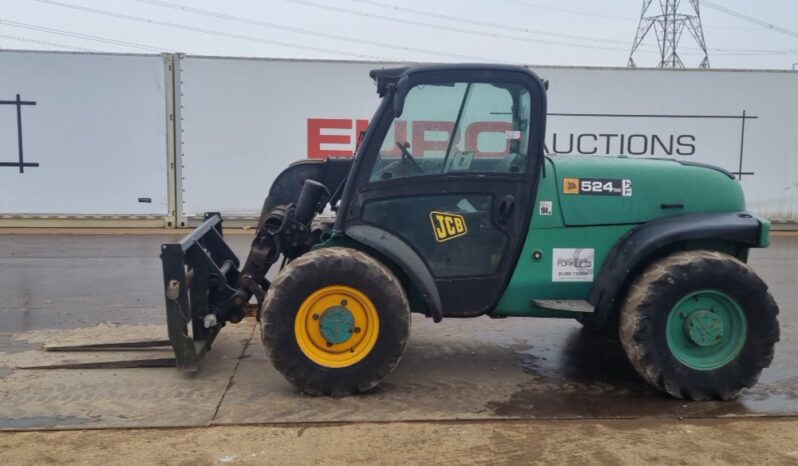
329	344
344	302
315	317
357	329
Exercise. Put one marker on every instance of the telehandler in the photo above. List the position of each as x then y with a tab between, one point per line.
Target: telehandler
451	208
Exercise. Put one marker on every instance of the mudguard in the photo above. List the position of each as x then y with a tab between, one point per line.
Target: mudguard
635	249
405	258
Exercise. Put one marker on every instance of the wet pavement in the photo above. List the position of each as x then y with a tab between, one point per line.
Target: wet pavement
87	289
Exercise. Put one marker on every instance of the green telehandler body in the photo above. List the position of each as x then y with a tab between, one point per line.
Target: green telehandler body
451	208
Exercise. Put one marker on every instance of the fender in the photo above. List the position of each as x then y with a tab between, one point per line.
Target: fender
640	244
405	258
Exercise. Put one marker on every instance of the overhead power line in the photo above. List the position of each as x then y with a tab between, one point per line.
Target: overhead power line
44	42
262	24
501	26
605	16
750	19
213	32
462	20
567	10
324	35
280	43
725	51
441	27
629	18
77	35
755	53
470	21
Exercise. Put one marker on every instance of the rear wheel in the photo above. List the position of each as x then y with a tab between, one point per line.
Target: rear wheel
699	325
593	324
335	322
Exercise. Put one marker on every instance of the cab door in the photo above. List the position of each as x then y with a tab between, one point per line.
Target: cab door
451	171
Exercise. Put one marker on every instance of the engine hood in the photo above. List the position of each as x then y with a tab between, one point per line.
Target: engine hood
598	190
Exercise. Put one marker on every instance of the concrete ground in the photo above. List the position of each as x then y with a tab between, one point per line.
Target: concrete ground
500	385
577	442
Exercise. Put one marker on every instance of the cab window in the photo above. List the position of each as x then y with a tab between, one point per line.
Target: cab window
457	128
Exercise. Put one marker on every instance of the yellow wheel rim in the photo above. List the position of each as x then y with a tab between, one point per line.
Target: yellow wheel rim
337	326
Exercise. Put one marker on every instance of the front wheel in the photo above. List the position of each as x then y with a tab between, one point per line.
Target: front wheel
335	322
699	325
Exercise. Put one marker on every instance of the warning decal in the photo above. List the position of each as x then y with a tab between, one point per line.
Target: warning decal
545	208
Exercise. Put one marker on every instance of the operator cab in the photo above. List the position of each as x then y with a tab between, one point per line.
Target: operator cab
448	168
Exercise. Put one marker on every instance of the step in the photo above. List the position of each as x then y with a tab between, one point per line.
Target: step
570	305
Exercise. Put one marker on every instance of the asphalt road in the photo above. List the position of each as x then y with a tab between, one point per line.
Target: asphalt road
75	289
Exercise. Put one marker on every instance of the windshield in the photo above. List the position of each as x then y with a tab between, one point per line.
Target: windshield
457	128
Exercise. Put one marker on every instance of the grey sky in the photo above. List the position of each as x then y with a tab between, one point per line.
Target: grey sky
564	32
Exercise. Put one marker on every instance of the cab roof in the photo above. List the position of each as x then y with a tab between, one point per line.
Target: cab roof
385	77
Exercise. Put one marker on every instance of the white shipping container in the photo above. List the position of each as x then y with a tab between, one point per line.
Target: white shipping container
90	133
244	120
87	137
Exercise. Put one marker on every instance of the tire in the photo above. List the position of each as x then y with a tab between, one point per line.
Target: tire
297	312
590	323
669	325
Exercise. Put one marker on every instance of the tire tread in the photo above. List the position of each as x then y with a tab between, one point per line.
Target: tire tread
276	312
641	303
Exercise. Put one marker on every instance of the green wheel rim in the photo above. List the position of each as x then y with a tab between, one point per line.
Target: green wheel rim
337	324
706	330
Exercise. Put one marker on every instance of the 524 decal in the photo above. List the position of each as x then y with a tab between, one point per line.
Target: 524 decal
597	186
447	226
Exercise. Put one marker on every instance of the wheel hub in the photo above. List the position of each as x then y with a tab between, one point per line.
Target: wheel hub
703	327
337	324
706	329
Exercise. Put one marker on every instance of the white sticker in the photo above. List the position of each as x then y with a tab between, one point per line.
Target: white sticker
572	265
626	188
512	135
545	208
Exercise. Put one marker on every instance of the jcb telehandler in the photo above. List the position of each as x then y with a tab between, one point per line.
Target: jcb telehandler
451	208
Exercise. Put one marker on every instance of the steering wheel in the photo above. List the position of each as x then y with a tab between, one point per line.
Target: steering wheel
408	157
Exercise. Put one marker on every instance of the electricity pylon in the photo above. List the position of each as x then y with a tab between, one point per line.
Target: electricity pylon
668	27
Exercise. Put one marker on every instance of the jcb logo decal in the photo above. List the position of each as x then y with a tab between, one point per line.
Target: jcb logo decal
447	226
570	185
